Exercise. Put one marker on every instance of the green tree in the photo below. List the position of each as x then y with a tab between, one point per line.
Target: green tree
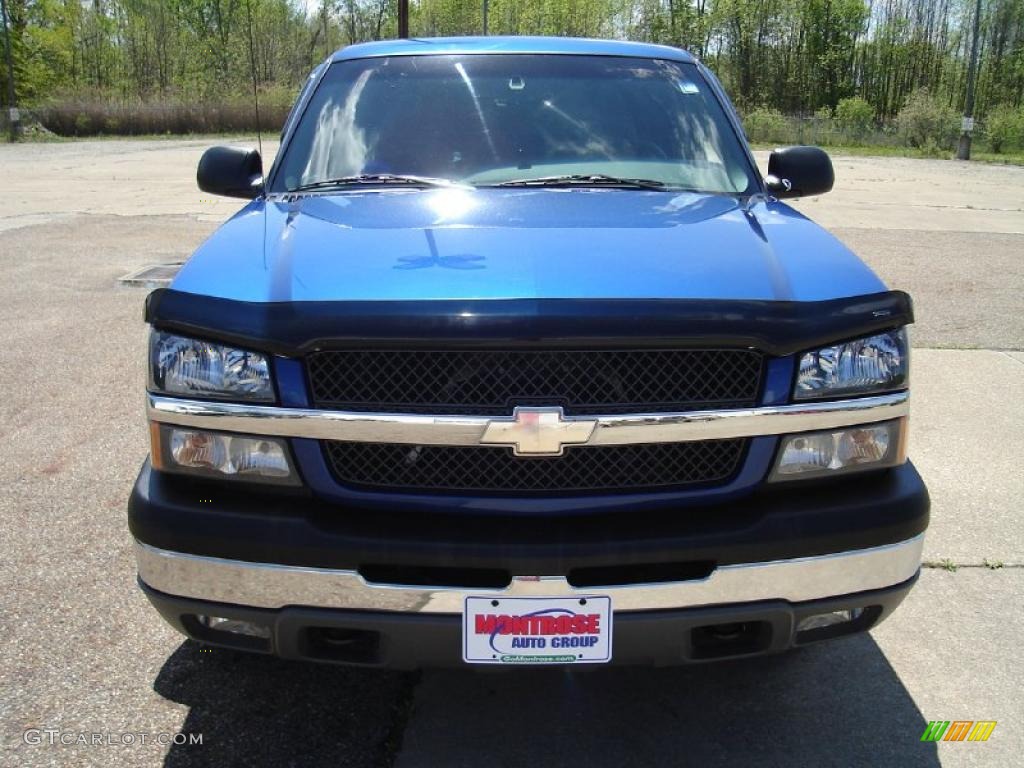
1004	127
927	123
791	56
855	116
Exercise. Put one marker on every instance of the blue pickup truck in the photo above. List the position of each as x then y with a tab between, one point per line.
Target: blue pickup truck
514	357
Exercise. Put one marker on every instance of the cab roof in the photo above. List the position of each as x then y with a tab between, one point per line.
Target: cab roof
427	46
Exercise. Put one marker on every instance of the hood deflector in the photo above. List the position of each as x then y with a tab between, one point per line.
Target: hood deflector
296	328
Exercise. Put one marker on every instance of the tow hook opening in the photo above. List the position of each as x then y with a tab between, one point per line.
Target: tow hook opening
352	646
738	638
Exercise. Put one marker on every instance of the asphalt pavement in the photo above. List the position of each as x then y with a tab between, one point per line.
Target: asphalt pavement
83	652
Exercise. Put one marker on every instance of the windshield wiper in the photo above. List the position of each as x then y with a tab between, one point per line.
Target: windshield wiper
375	179
584	179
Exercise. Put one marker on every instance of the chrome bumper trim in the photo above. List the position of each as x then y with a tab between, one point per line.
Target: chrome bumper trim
418	429
266	585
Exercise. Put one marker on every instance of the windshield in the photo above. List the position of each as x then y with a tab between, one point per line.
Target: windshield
492	119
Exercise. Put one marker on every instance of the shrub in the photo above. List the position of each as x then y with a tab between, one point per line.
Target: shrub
855	116
927	123
764	124
1004	127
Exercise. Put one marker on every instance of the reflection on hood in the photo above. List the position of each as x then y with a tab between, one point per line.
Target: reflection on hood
441	244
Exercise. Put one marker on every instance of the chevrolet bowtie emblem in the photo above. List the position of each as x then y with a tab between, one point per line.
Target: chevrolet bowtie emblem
538	431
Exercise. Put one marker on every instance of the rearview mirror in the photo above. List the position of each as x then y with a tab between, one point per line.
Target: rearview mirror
799	171
231	171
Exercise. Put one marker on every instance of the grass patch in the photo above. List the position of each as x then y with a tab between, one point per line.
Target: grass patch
945	564
1003	158
52	138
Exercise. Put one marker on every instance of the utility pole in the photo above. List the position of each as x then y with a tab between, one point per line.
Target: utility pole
327	42
403	18
485	17
13	118
963	150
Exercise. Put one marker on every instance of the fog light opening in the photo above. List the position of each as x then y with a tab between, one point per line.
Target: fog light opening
842	621
234	626
819	620
228	632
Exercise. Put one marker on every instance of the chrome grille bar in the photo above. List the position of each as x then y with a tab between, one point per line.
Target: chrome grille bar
418	429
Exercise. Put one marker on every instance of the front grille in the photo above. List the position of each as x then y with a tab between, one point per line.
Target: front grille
474	469
493	382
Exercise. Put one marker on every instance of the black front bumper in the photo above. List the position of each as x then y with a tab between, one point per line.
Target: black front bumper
777	522
790	521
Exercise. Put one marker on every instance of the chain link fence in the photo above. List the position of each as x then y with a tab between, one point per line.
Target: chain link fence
763	126
769	127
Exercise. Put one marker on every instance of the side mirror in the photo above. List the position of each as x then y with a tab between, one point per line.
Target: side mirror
799	171
231	171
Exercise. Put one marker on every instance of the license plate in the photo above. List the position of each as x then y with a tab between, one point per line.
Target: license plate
537	630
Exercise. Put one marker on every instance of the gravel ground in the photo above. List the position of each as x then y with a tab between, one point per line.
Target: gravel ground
83	651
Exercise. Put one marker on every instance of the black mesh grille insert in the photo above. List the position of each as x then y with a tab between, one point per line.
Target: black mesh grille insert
490	382
498	470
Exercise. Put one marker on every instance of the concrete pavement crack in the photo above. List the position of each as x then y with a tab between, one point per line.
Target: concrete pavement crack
952	565
401	715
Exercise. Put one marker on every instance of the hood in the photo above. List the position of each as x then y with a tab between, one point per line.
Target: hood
521	244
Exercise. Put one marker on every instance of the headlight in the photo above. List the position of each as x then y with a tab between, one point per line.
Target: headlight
841	451
874	364
183	366
221	455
